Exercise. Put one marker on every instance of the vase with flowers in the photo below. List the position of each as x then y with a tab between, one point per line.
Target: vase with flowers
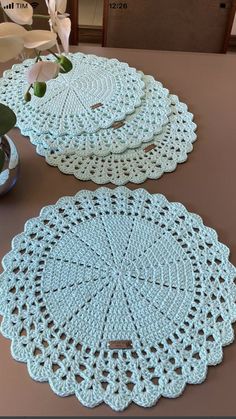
18	39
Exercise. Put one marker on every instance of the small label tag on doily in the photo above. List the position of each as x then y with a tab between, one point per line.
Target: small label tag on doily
97	105
120	344
118	124
149	148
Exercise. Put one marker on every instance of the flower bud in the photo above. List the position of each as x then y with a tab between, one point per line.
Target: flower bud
40	88
65	64
27	96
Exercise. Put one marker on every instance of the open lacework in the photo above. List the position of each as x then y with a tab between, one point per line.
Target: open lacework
71	104
149	161
103	121
118	265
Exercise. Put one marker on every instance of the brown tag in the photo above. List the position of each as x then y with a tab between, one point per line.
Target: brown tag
117	125
149	148
120	344
97	105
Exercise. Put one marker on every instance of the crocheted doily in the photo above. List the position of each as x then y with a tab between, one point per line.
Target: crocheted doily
149	161
118	269
95	94
138	128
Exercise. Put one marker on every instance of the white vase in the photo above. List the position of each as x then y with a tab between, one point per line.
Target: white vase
10	170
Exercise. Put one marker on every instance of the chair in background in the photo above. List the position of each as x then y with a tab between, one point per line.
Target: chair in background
180	25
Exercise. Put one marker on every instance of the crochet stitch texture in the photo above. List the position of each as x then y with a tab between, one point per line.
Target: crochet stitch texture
140	127
168	148
67	106
155	135
118	265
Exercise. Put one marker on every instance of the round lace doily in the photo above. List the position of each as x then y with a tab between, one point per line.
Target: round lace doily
140	127
95	94
117	268
151	160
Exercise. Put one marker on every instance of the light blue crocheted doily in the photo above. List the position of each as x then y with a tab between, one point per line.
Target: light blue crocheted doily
151	160
140	127
69	103
118	265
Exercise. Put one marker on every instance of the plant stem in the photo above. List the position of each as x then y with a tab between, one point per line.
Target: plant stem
53	53
38	58
30	86
58	48
41	16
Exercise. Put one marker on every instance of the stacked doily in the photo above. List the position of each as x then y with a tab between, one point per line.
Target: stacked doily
114	296
118	296
104	121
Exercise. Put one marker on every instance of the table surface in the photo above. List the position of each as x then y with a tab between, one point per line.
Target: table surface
205	184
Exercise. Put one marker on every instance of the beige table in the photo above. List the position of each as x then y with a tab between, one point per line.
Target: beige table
205	184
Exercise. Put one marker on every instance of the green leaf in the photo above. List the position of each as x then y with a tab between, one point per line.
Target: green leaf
7	119
2	159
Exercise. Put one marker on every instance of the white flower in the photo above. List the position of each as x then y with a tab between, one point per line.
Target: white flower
40	39
61	6
42	71
10	47
9	28
13	39
21	12
59	21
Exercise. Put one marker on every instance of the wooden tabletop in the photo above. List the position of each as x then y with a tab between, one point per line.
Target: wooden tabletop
205	184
